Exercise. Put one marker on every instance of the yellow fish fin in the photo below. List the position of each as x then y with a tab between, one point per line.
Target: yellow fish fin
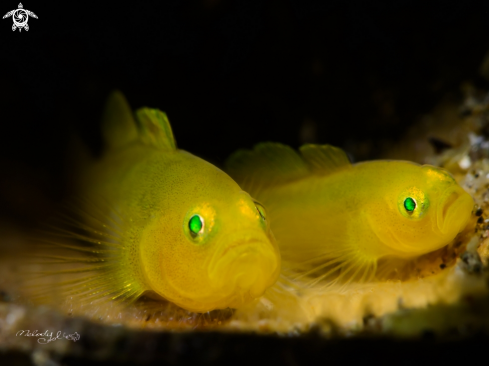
272	163
120	128
118	125
336	268
269	163
324	159
82	255
155	128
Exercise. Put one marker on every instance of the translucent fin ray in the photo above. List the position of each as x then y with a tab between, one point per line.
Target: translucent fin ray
155	129
118	125
270	164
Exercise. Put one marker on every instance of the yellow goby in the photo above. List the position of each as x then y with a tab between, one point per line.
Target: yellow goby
158	220
335	221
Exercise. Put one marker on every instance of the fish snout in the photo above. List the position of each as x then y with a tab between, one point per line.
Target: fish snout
245	267
454	211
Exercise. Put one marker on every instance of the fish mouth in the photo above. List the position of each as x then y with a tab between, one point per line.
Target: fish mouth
245	268
239	244
454	214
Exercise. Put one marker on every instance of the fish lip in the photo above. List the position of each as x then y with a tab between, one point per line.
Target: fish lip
453	200
221	255
236	239
450	200
238	244
230	264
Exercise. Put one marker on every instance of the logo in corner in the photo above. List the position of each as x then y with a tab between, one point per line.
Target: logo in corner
20	17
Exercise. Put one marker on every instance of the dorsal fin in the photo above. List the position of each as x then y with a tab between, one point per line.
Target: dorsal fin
273	163
118	125
155	129
268	163
324	159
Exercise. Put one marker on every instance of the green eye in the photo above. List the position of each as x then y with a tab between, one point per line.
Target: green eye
196	225
261	211
409	204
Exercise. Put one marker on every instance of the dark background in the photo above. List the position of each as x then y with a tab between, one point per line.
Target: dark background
228	73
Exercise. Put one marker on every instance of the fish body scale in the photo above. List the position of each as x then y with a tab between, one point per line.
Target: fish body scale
338	220
131	225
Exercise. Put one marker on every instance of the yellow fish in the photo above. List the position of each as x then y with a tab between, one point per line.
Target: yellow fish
336	222
158	220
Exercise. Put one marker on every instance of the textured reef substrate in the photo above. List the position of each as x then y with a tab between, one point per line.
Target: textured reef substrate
443	311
